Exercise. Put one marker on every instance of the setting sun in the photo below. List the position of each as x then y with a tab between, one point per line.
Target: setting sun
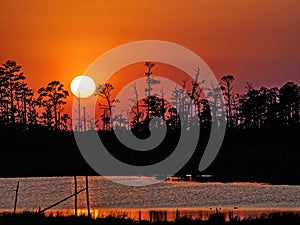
83	86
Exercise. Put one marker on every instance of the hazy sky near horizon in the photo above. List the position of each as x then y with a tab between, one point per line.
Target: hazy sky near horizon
256	41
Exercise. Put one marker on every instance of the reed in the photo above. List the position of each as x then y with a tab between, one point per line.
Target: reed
215	219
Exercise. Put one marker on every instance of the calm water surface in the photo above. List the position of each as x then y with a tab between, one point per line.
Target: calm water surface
35	193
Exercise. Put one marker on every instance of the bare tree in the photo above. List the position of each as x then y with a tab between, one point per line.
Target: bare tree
227	88
150	82
136	112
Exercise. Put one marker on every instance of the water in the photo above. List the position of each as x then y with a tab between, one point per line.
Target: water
35	193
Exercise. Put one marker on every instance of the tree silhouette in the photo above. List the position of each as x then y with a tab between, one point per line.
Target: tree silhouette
52	98
12	89
64	121
196	96
289	103
227	88
17	102
182	103
150	82
136	107
104	91
172	119
258	108
32	105
206	117
215	98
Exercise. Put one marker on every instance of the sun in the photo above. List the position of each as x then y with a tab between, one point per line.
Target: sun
83	86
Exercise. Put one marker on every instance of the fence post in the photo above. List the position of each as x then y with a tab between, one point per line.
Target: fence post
87	195
75	183
16	198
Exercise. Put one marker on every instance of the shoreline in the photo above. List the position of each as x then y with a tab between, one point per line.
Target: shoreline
176	179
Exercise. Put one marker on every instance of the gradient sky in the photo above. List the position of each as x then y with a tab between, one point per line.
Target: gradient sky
256	41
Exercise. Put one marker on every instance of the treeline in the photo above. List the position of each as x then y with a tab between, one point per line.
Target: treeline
22	108
256	108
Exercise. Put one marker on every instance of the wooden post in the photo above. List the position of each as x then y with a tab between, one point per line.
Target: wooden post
87	195
16	198
79	119
75	183
84	120
177	215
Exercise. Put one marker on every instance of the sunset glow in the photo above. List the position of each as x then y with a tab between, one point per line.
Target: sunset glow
53	40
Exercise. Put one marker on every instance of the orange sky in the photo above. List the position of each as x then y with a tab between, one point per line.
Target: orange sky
255	40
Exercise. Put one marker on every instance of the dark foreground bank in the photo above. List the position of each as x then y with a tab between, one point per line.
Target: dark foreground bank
253	155
215	219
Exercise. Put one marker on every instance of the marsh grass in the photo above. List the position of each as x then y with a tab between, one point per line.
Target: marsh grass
33	218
